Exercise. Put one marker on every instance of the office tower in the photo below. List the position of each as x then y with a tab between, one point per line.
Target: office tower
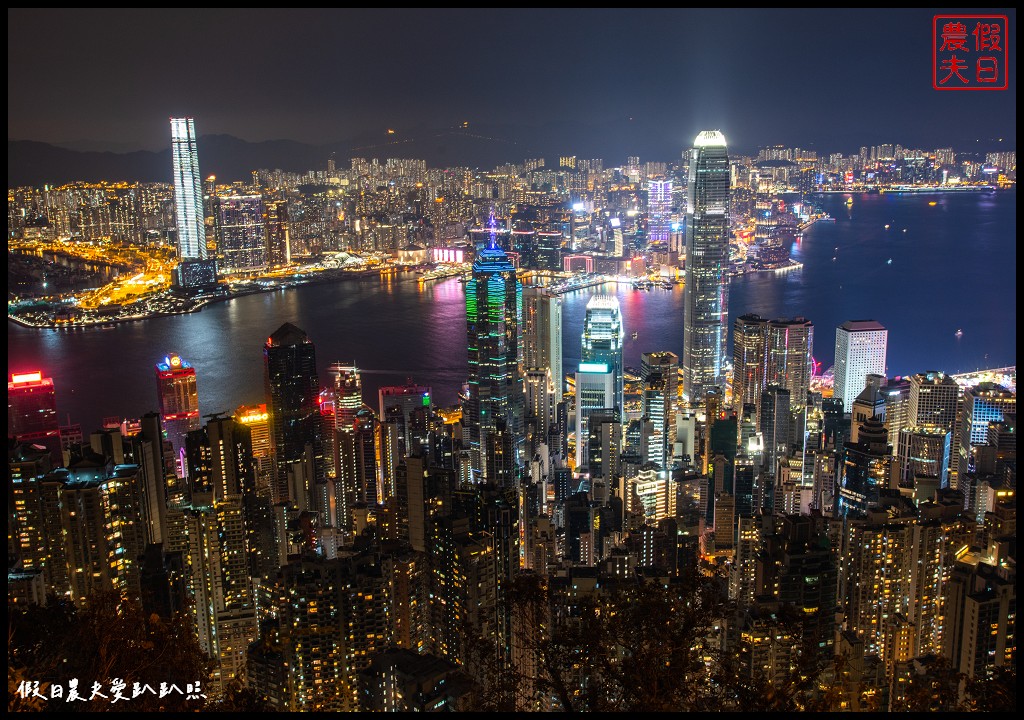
540	406
156	475
923	455
293	394
604	450
494	312
864	470
542	333
659	210
659	374
257	419
595	392
789	348
178	401
195	266
932	400
860	351
241	232
410	407
869	403
706	294
32	412
749	359
775	422
897	408
603	336
615	241
982	404
365	441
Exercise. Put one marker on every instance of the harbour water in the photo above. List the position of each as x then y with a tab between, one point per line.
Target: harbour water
953	268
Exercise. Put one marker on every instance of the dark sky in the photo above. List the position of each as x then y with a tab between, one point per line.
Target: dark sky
827	79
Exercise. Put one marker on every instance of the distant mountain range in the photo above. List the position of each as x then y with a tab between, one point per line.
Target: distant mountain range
229	158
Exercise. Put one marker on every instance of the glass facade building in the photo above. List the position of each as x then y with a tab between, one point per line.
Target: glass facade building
706	295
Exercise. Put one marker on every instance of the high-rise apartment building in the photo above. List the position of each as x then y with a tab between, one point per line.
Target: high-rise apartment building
706	294
241	232
860	351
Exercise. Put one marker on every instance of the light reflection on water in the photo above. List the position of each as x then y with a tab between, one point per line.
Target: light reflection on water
393	328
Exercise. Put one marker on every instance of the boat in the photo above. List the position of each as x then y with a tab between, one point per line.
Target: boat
889	261
635	333
932	203
887	226
959	333
849	201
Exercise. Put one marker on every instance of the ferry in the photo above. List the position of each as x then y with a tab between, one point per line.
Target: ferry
849	201
959	333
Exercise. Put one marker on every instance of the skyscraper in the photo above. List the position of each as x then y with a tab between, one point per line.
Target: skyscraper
494	311
595	392
706	294
860	351
195	267
32	411
293	389
178	401
542	333
659	210
790	344
240	222
659	377
749	360
602	341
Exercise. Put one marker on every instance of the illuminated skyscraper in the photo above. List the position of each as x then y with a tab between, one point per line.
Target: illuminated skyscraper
982	404
789	348
602	341
860	351
293	394
595	393
494	311
240	222
659	375
196	268
542	333
409	407
659	210
32	411
749	360
178	400
706	294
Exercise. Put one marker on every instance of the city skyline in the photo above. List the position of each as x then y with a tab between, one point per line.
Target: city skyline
519	101
546	435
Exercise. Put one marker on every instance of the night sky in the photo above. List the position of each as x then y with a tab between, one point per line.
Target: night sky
831	80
